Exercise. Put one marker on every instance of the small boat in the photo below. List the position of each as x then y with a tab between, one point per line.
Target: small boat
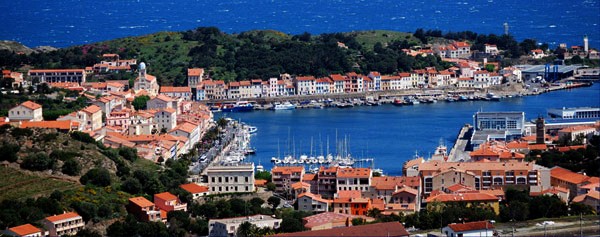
450	99
285	106
493	97
215	108
249	151
398	102
463	98
251	129
345	105
414	102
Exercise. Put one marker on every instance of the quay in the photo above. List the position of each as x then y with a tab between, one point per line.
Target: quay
459	150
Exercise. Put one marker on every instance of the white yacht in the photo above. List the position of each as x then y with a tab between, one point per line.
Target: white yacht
285	106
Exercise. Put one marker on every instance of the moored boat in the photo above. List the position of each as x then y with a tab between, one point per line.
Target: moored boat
285	106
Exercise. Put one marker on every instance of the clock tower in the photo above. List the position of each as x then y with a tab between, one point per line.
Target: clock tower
540	130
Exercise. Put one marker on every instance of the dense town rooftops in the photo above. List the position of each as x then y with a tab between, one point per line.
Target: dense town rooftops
62	217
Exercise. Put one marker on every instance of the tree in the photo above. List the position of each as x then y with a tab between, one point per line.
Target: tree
358	221
580	209
132	186
274	202
490	67
247	229
96	176
266	175
83	137
129	154
71	167
139	103
271	186
38	162
9	151
87	210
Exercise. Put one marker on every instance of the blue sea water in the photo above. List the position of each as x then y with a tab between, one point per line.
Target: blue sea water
389	134
72	22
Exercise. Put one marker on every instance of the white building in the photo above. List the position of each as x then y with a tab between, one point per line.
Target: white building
492	49
183	92
166	118
475	229
64	224
232	178
26	111
195	76
305	85
310	202
354	179
56	75
161	101
146	82
229	226
189	130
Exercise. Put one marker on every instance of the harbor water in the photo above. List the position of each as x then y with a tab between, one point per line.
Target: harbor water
387	133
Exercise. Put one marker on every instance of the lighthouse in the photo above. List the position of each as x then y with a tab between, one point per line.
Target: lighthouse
585	43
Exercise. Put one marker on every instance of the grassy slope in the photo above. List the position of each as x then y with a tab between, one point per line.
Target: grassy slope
16	184
165	53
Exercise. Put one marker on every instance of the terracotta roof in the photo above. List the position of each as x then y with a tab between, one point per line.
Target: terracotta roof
437	166
461	44
569	176
576	129
260	182
195	71
234	84
287	170
458	187
390	182
175	89
194	188
349	194
354	173
141	202
406	189
313	196
244	83
330	217
299	185
308	177
26	229
462	197
477	225
337	77
31	105
92	109
169	110
65	216
517	145
61	125
163	98
390	229
375	74
165	196
307	78
569	148
186	127
465	79
483	152
591	194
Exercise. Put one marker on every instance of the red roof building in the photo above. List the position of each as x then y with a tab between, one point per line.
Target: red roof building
64	224
195	189
169	202
390	229
24	230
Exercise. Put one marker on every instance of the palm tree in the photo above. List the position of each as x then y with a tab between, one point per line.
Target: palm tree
247	229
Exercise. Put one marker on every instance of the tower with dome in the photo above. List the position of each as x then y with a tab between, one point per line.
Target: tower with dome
145	82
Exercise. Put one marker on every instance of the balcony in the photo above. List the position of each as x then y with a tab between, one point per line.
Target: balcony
533	181
532	176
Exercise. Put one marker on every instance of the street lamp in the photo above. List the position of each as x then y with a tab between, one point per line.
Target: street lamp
486	226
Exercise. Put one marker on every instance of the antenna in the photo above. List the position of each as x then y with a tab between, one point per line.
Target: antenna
505	28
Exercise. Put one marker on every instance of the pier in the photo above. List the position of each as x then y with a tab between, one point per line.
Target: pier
458	151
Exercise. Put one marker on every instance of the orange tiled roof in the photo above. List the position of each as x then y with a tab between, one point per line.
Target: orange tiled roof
31	105
576	129
260	182
330	217
141	202
244	83
68	215
569	176
354	173
61	125
287	170
406	189
186	127
308	177
92	109
592	194
307	78
299	185
349	194
390	182
458	187
26	229
195	71
194	188
175	89
165	196
313	196
337	77
478	225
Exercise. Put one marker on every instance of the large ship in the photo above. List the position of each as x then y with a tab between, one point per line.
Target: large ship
240	106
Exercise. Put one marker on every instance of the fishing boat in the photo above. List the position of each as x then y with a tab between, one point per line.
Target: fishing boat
463	98
345	105
398	102
492	97
285	106
251	129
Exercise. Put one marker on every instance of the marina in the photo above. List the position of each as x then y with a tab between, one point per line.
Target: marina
389	134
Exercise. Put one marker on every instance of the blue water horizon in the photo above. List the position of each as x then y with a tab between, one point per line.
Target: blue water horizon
75	22
389	134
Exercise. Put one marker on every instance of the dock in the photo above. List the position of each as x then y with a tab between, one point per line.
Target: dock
459	151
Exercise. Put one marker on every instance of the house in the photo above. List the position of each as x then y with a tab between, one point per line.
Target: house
145	210
351	202
407	198
194	76
312	203
573	132
560	192
284	176
168	202
195	189
299	187
189	130
93	117
26	111
305	85
326	180
376	77
384	187
229	226
145	81
390	229
26	230
356	82
161	101
56	75
492	49
478	228
562	177
537	53
330	220
592	199
323	86
183	92
231	178
166	118
64	224
354	179
338	83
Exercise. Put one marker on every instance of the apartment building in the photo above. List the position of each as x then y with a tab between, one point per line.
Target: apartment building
166	201
231	178
353	179
314	203
284	176
194	76
56	75
64	224
229	226
145	210
26	111
182	92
